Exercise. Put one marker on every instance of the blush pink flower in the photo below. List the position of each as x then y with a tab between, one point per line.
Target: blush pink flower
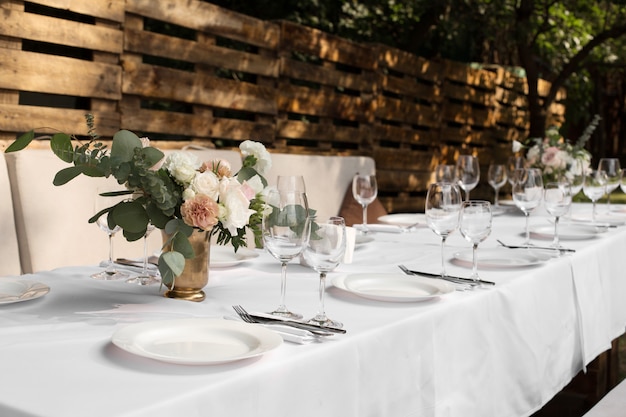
553	157
219	167
200	211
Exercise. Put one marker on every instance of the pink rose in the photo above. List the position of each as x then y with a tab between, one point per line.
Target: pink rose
219	167
553	157
200	211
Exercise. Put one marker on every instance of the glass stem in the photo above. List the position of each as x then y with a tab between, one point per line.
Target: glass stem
283	287
555	241
496	203
593	212
608	202
443	263
475	262
110	267
365	217
144	271
321	314
527	241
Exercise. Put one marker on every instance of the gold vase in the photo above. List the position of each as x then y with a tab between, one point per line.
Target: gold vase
188	285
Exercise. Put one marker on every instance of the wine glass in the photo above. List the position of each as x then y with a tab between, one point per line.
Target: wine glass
291	183
514	163
364	191
102	202
475	226
613	177
527	193
145	277
497	177
443	204
576	176
594	188
557	199
445	173
323	253
467	173
285	228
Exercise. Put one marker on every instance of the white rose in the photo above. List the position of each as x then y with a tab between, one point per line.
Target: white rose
183	166
517	146
188	194
237	213
206	183
257	149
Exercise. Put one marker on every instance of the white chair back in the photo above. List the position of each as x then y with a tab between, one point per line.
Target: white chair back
9	252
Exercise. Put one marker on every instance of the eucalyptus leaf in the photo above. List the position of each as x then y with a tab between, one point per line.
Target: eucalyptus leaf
171	264
181	244
130	236
66	175
131	217
61	145
157	217
152	155
124	144
21	142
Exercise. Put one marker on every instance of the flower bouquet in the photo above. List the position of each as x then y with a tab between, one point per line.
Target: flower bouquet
556	157
177	193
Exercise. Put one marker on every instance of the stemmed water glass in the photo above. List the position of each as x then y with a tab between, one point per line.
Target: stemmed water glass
285	228
290	183
364	191
475	226
557	199
467	173
514	163
323	253
594	188
443	204
445	173
110	272
527	193
145	277
613	177
497	177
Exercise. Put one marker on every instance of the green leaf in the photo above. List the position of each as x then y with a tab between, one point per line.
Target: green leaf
171	265
61	145
181	244
131	217
157	217
21	142
66	175
152	155
124	144
130	236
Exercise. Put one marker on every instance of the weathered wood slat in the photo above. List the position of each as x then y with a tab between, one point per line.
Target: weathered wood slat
156	44
110	9
464	74
388	108
63	32
410	87
209	18
406	63
169	84
296	99
405	135
468	94
404	159
30	71
293	129
318	74
467	114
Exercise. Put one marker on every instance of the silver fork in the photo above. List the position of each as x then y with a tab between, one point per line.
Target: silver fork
459	286
245	316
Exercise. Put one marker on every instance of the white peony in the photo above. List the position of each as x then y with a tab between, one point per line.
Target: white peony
183	166
206	183
237	212
517	146
256	149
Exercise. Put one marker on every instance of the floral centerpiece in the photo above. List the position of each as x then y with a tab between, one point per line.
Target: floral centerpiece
557	158
178	193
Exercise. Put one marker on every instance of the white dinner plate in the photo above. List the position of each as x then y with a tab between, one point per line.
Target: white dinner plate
503	257
566	231
392	287
403	219
613	219
17	290
225	256
196	341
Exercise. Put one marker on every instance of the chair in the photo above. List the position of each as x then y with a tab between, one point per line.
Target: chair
326	177
9	252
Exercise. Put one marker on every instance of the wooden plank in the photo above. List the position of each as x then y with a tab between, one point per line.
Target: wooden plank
510	98
403	180
22	70
157	82
409	64
328	47
59	31
388	108
404	134
208	17
468	93
156	44
302	100
21	118
327	76
110	9
466	113
462	73
410	87
407	159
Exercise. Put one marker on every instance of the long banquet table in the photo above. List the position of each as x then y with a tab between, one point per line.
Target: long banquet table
499	351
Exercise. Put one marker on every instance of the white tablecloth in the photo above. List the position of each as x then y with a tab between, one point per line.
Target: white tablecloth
501	351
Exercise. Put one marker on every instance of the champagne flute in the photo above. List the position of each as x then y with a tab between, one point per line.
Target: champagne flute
467	173
475	226
527	193
445	173
102	202
285	228
323	253
613	177
443	204
497	177
557	199
145	277
594	188
364	191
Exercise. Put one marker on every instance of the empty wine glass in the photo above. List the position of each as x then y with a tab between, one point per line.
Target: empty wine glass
102	202
576	176
467	173
514	163
527	193
445	173
145	277
443	204
285	228
291	183
497	177
557	199
613	177
323	253
594	188
475	226
364	191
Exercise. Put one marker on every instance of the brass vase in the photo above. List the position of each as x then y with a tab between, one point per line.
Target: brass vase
188	285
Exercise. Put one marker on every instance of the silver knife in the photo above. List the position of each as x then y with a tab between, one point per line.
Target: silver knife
451	278
295	323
